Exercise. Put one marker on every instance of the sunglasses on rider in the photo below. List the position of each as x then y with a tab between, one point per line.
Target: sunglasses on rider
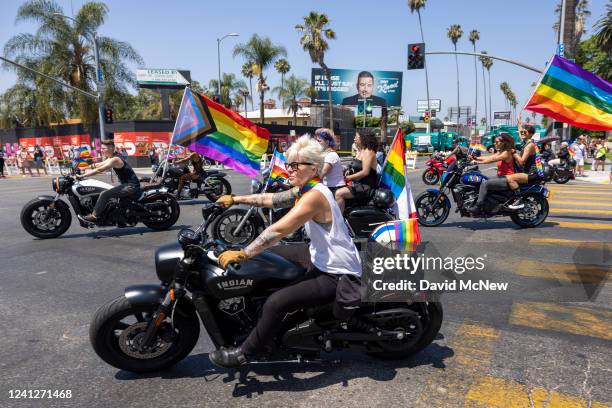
296	165
523	132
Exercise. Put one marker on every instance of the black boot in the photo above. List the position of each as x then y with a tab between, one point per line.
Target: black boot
475	209
91	218
232	357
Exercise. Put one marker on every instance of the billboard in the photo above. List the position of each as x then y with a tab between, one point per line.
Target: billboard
435	105
162	78
353	87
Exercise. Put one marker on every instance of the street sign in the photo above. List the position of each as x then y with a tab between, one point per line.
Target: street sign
162	78
434	105
501	115
561	50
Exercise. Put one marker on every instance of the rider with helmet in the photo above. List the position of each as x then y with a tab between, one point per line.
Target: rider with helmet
129	187
332	251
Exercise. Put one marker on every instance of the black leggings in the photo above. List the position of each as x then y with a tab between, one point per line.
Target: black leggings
120	191
317	288
496	184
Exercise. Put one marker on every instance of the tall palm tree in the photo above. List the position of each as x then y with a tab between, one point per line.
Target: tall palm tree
488	64
576	13
475	36
484	87
247	72
295	88
417	5
315	33
282	67
63	49
455	32
603	36
263	53
229	88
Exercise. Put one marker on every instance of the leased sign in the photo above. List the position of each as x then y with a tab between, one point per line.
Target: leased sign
154	78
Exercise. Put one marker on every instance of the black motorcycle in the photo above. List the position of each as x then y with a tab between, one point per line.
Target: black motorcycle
152	327
563	172
49	216
211	183
240	226
462	181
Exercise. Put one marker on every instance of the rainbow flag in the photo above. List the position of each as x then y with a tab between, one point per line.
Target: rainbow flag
394	178
478	146
84	159
402	235
209	128
572	95
278	172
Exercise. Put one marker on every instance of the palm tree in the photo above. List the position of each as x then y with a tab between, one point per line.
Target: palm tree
63	49
262	53
247	72
295	88
603	36
229	88
454	33
315	33
475	36
484	87
417	5
488	64
576	13
282	67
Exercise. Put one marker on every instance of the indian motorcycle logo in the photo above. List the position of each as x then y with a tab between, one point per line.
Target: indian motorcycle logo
235	284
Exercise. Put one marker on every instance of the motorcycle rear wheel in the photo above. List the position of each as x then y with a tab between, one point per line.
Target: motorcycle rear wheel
430	177
537	205
111	342
561	179
34	214
170	219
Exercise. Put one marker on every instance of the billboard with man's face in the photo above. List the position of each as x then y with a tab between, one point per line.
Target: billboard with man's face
353	87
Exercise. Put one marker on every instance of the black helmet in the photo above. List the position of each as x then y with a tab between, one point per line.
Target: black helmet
383	198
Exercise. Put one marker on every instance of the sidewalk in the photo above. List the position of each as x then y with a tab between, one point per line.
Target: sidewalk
598	177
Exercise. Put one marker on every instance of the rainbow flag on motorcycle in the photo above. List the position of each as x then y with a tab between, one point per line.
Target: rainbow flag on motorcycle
569	94
278	171
406	229
211	129
84	159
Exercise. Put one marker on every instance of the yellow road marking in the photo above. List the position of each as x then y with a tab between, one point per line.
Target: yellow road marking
581	225
577	273
571	242
566	196
501	393
568	319
584	203
579	187
579	210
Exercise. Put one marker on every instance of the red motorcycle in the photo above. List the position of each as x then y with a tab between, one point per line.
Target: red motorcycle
436	165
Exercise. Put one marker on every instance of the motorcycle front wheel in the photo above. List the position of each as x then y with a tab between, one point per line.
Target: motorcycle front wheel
216	187
431	209
118	328
46	218
224	228
561	178
430	177
170	213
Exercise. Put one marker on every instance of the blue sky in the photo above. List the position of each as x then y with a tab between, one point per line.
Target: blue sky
370	35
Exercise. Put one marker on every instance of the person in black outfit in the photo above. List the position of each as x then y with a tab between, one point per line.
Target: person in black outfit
129	187
1	162
365	89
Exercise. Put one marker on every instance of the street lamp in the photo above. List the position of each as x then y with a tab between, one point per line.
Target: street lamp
219	58
99	77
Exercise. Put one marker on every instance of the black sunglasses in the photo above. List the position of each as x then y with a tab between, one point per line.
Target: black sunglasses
296	165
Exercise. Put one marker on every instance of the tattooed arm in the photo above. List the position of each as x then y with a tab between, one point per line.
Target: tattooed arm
285	199
307	208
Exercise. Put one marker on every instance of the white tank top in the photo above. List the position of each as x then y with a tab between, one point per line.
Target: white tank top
331	248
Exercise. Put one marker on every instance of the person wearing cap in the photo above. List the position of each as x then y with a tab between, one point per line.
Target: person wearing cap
332	173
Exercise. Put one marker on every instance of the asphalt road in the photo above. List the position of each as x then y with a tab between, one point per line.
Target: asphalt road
544	342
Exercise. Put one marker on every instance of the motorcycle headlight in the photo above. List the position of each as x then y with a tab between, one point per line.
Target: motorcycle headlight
255	186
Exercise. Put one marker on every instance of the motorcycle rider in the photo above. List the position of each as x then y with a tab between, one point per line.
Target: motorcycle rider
526	158
332	173
332	252
129	187
504	146
362	178
196	161
563	156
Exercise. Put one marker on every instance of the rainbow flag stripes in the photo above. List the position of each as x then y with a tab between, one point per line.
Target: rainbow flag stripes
84	159
393	169
309	185
278	172
478	146
572	95
400	235
216	132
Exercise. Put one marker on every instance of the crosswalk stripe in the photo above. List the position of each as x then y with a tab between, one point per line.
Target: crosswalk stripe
579	188
584	203
473	345
595	198
569	272
569	319
571	242
558	210
502	393
581	225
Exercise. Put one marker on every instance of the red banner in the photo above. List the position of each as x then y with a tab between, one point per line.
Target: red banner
139	143
53	145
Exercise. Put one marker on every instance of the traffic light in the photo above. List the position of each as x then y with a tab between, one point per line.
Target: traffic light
108	116
426	117
416	56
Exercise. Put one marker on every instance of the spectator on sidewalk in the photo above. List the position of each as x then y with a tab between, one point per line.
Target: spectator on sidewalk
579	155
599	157
1	162
39	160
24	161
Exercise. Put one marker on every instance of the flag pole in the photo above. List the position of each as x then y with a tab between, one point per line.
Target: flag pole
270	173
178	115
